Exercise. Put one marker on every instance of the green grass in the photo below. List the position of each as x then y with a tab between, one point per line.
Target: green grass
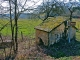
26	26
66	58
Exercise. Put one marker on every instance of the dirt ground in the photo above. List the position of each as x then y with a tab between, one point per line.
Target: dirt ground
28	50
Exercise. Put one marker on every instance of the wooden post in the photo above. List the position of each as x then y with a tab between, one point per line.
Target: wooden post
22	35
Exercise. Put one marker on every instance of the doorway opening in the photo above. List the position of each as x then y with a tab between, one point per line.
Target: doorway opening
41	42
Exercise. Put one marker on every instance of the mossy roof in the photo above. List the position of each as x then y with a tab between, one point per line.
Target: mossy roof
51	23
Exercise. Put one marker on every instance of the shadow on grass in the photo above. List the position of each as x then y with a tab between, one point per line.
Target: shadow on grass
63	48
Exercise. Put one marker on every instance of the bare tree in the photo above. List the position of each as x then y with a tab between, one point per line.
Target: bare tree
51	8
61	8
16	8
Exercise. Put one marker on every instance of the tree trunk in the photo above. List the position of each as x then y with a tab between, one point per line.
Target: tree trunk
16	27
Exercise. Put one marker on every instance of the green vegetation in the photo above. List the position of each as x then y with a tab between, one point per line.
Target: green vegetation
26	26
78	26
65	52
50	23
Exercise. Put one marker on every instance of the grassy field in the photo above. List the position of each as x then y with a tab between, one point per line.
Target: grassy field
26	26
61	51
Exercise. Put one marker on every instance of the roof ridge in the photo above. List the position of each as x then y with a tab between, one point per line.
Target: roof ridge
49	24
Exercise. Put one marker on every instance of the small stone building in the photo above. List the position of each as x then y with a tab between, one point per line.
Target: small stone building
51	31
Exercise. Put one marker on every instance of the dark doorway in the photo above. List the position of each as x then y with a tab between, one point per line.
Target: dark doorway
41	42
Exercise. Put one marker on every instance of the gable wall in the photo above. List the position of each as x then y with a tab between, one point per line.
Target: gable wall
56	34
43	35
